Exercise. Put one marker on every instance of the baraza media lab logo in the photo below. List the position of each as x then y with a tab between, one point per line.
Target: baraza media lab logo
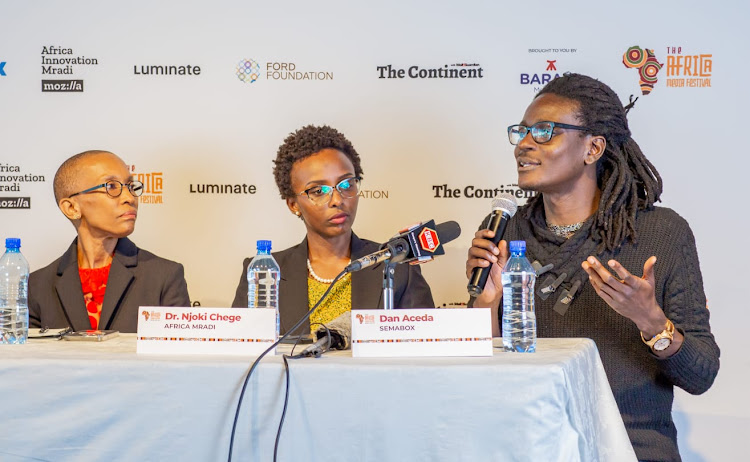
540	79
648	66
248	70
546	69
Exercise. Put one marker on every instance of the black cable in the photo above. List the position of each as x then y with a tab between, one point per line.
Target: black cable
302	355
286	395
255	364
283	413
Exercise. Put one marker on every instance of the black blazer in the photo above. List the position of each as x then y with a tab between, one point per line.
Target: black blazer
410	288
137	278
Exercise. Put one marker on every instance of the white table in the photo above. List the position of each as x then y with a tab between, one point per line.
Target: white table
65	400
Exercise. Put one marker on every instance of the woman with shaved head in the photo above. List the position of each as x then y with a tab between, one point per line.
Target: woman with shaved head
103	278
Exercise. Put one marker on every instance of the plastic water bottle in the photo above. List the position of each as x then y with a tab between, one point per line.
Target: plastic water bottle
263	277
519	318
14	301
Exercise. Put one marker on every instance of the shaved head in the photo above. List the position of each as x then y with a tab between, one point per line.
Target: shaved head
65	179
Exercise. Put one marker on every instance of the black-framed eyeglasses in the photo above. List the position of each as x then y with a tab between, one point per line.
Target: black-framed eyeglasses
320	194
541	132
114	188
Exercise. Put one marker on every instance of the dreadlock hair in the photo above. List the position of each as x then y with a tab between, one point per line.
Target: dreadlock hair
303	143
627	179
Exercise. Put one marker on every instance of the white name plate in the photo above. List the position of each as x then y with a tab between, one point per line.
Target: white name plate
421	332
201	330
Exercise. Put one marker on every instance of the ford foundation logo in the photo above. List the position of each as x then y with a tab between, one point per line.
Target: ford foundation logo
428	239
248	70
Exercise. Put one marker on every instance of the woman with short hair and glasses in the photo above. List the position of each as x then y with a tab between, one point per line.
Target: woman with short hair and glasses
103	278
624	272
318	173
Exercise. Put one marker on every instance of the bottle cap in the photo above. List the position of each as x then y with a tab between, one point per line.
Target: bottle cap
517	246
264	245
12	243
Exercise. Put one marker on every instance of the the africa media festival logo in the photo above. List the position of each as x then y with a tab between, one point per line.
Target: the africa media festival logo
683	69
647	65
153	186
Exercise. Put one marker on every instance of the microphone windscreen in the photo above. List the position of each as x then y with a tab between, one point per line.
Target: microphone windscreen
342	326
506	203
448	231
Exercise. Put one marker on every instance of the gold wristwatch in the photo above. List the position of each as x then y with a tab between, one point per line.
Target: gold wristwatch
662	340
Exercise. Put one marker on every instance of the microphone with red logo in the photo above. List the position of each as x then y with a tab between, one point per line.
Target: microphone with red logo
420	243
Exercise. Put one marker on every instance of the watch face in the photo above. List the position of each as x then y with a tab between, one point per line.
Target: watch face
662	344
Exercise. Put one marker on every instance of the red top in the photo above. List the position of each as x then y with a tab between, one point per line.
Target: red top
94	283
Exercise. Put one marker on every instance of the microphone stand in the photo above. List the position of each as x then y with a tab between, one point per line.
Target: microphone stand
389	271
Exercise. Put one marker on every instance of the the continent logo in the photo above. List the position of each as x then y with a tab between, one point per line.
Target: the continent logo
644	60
428	239
248	70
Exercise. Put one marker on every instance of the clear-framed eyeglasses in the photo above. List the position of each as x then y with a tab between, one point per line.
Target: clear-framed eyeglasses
321	194
114	188
541	132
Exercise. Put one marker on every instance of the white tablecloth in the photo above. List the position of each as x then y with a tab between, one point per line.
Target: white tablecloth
65	400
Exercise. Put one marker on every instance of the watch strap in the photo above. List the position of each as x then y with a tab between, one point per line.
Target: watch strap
668	332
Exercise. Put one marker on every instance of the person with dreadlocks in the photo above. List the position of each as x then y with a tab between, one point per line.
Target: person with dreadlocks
623	272
318	173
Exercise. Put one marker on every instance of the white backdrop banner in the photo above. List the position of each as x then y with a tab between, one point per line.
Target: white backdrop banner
197	96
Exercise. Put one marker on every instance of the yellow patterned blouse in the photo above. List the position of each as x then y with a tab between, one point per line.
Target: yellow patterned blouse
338	302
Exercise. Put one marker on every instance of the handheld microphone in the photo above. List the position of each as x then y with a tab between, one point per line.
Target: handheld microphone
503	208
419	242
340	339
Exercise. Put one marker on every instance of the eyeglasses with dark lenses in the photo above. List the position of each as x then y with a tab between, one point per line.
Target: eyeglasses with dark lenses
321	194
541	132
114	188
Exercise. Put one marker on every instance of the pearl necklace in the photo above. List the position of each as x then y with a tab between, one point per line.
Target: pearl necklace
565	230
315	276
